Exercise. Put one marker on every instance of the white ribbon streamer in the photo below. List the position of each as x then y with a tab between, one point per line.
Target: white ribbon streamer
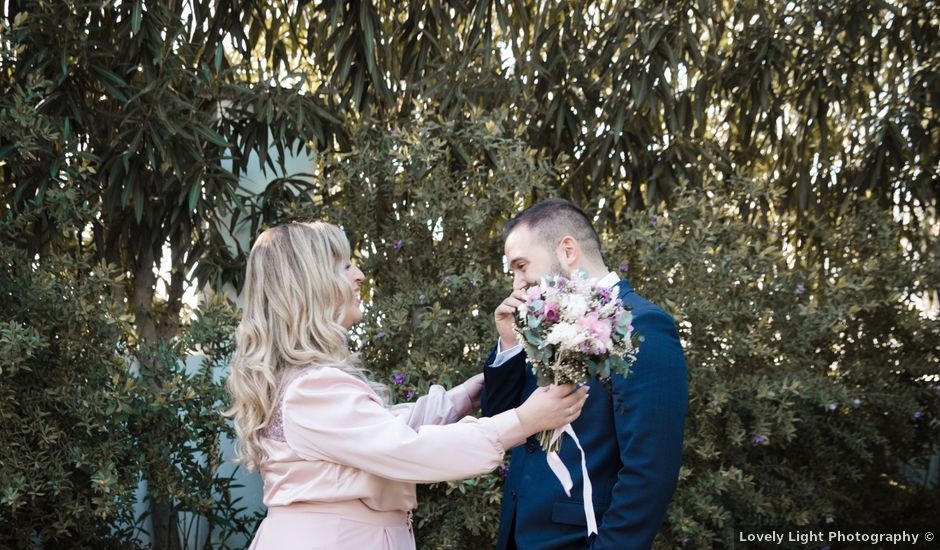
561	472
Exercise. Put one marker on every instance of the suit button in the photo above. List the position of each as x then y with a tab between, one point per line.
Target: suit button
515	494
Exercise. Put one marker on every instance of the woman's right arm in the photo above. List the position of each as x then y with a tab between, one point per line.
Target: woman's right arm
330	415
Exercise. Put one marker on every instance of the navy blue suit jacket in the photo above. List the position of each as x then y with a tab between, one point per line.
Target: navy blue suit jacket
632	436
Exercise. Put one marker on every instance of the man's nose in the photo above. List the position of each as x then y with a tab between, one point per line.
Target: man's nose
518	283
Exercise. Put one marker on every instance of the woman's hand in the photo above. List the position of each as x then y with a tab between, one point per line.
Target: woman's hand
551	407
474	387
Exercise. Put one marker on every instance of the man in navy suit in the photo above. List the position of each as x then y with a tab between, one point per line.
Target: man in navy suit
631	429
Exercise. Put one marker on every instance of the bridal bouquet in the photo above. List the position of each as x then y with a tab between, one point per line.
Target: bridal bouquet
573	332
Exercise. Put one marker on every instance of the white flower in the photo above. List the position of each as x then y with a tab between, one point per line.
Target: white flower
565	335
574	307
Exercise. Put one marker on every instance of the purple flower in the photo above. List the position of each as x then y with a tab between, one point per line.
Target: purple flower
421	299
685	541
551	311
829	519
917	415
380	335
394	132
659	248
410	394
833	406
624	267
502	471
655	219
398	378
448	280
473	281
800	289
759	439
398	244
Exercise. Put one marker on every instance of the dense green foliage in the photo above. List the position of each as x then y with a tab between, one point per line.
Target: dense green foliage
766	171
805	379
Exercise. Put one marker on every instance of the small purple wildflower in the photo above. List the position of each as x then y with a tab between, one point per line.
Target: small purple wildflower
685	541
398	244
448	280
380	335
829	519
833	406
655	219
624	267
502	471
917	415
399	378
394	132
421	299
800	289
759	439
410	394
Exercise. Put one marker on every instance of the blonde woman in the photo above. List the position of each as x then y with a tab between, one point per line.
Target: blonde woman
339	463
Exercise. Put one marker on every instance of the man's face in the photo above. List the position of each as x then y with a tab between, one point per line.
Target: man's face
529	257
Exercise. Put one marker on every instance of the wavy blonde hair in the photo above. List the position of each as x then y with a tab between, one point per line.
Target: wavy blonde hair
295	292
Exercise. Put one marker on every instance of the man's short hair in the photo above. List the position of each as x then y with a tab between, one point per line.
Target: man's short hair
554	219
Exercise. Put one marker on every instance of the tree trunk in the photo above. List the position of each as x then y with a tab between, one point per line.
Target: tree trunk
165	523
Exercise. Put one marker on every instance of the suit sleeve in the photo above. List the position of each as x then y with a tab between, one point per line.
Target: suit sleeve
649	416
502	385
330	415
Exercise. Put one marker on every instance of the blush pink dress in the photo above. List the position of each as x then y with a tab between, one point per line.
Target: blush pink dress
341	468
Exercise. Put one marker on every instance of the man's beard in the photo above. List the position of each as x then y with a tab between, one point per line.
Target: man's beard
558	269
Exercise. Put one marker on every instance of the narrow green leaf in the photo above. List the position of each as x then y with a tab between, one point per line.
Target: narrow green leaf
135	17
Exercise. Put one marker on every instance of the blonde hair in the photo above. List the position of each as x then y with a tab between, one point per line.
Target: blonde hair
295	292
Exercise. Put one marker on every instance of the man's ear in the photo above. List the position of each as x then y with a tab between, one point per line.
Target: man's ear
568	251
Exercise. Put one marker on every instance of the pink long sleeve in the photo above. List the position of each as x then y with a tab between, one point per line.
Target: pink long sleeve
439	406
330	415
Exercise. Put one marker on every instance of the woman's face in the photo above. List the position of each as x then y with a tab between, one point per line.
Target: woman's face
353	313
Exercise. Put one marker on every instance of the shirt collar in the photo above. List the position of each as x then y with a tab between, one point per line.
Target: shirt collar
609	280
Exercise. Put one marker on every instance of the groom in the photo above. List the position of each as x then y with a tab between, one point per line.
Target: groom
631	432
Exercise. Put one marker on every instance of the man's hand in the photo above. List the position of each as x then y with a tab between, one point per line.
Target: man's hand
474	387
506	319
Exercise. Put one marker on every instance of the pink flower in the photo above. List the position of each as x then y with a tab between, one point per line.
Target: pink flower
598	328
533	293
550	311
